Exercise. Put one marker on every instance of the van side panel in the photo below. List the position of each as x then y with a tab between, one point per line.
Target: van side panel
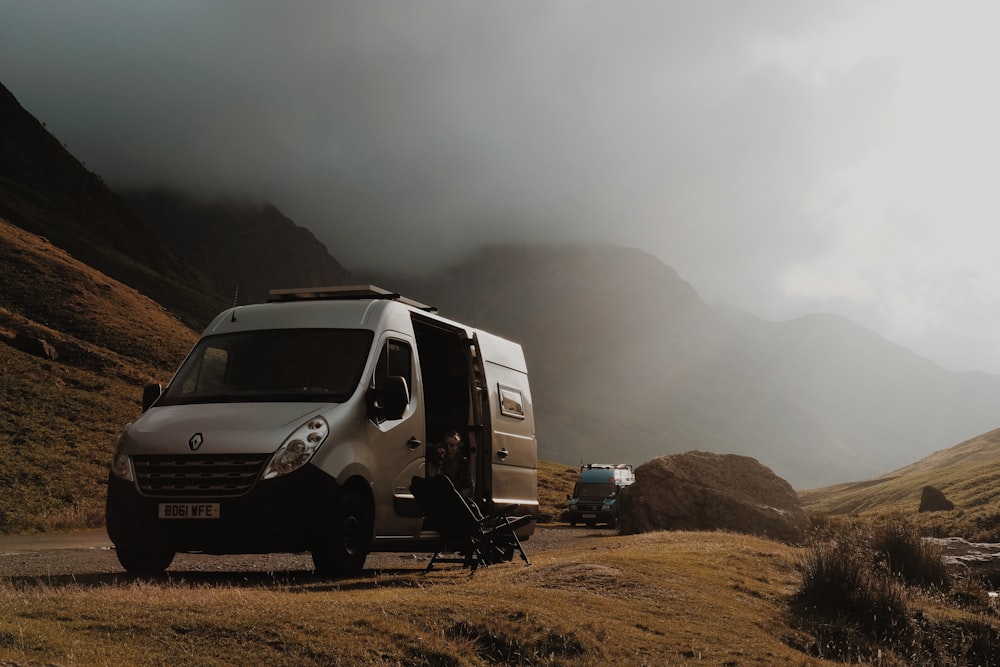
513	450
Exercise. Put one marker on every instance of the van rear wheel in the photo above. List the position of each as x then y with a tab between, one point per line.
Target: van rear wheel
343	549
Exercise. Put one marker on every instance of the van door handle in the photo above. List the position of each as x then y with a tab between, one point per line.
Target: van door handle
502	454
413	443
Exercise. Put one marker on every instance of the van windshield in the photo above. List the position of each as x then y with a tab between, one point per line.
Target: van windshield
322	365
594	490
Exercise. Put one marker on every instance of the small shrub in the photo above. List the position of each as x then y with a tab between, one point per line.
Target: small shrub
908	556
842	581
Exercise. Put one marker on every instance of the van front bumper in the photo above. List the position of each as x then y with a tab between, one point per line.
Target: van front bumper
591	515
286	514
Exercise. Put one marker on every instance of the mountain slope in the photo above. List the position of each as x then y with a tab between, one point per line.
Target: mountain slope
891	404
92	319
965	473
245	249
47	191
59	418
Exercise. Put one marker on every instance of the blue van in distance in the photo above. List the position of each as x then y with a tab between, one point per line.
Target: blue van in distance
595	494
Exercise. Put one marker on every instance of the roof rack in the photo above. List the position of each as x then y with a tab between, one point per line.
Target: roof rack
343	293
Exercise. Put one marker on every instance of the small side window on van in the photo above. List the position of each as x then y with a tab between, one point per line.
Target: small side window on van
396	358
511	402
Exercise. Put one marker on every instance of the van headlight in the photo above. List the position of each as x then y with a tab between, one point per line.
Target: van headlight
120	464
298	448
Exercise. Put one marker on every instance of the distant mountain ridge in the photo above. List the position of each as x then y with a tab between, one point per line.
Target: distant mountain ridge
628	363
187	254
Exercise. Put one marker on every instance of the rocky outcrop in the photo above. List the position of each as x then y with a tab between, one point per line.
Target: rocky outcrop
706	491
934	500
36	346
980	560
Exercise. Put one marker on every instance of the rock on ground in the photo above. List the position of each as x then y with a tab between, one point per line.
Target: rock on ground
934	500
706	491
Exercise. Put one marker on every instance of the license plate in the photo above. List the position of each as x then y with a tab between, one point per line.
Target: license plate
189	510
589	516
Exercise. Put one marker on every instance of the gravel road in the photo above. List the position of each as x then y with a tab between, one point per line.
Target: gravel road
89	556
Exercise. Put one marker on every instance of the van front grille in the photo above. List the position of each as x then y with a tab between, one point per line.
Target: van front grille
197	475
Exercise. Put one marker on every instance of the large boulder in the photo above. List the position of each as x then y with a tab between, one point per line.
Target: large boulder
706	491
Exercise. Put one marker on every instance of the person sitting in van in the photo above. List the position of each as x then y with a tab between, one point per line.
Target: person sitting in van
435	459
446	458
455	464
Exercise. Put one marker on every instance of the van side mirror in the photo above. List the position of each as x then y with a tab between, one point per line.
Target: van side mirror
391	399
150	393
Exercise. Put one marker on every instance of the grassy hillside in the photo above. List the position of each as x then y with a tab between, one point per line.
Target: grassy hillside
555	482
965	473
59	419
47	191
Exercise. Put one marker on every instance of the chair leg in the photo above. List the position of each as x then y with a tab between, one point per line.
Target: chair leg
512	541
520	547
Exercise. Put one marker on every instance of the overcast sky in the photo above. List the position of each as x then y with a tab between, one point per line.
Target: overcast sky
785	157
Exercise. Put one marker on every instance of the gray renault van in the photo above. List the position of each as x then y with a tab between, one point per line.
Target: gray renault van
296	425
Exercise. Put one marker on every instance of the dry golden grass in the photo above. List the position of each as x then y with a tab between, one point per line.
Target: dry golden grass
49	293
59	419
58	427
654	599
555	482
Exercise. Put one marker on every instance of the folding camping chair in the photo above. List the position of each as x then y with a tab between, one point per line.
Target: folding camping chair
478	540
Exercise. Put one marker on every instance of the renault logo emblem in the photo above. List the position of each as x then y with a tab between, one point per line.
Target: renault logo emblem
195	442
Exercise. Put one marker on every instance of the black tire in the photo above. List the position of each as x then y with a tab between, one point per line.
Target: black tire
144	559
591	523
343	550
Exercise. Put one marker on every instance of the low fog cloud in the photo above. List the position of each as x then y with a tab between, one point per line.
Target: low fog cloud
785	157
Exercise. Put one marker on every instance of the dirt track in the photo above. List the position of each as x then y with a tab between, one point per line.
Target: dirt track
90	555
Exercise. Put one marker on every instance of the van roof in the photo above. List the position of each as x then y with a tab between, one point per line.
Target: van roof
605	466
343	293
354	306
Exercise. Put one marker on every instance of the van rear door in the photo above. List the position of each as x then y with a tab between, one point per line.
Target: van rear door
509	436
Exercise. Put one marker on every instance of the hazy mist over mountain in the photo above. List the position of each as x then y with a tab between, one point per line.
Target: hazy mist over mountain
628	362
784	157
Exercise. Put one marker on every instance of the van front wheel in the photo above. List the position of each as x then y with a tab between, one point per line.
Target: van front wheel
343	549
144	560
